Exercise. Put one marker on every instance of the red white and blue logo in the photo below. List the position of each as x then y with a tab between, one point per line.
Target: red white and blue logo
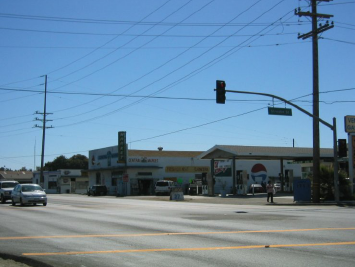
259	173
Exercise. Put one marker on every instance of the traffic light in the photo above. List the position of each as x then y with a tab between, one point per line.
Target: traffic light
342	151
220	92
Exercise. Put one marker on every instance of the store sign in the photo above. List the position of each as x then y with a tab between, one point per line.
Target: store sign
349	124
143	160
125	178
122	158
187	169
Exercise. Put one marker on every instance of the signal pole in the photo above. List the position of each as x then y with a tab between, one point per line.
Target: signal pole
316	136
44	120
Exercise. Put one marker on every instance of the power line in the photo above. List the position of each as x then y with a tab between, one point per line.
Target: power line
176	69
135	23
198	126
156	47
131	52
97	48
339	41
139	35
139	96
109	41
134	51
126	34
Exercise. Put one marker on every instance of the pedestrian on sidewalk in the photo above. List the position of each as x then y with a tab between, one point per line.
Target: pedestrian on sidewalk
270	191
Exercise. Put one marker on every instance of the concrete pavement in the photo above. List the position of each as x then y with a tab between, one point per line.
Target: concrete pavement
282	199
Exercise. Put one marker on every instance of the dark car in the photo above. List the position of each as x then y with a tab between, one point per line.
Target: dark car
97	190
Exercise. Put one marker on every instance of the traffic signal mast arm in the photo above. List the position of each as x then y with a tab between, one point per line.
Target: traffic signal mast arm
286	101
332	127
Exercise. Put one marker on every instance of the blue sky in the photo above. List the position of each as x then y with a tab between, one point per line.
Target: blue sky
149	68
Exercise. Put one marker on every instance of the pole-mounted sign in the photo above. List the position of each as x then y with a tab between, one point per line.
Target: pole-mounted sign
280	111
122	158
349	124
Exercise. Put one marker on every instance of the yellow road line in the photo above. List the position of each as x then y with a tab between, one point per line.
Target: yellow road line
186	249
167	234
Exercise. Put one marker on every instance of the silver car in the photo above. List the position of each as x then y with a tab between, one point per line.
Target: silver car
28	194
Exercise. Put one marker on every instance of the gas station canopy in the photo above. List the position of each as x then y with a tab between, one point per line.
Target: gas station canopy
265	153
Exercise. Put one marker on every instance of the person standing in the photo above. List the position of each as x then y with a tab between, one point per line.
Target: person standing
270	191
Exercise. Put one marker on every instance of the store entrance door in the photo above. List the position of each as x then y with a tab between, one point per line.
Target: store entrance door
145	187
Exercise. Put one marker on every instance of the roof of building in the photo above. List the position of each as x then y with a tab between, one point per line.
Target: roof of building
16	175
263	152
163	153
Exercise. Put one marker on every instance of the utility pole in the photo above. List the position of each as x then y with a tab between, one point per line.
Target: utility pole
316	136
44	120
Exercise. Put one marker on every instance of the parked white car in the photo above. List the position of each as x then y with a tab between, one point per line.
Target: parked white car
277	187
28	194
164	187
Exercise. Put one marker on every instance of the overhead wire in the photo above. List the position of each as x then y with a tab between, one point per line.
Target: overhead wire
111	40
204	124
136	23
176	69
217	59
339	41
121	34
131	52
97	48
189	16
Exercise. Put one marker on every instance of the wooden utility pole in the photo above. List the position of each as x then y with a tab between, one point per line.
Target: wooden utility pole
44	120
316	136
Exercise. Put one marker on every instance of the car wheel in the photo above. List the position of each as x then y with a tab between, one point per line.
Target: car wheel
21	202
2	199
13	203
34	204
45	204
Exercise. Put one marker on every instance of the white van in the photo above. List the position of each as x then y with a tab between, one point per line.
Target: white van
163	187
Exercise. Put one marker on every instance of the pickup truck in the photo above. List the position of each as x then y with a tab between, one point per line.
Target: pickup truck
6	189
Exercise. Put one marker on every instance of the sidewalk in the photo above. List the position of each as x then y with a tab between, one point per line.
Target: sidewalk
281	199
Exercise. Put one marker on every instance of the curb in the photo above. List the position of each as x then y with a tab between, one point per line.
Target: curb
23	260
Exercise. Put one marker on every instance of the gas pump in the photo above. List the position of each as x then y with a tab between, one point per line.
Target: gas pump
288	180
242	182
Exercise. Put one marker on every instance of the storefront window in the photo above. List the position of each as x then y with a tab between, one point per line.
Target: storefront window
52	185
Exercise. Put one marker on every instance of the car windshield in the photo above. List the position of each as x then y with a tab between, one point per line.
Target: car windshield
162	184
8	185
31	188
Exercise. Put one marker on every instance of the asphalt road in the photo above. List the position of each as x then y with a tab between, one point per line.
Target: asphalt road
76	230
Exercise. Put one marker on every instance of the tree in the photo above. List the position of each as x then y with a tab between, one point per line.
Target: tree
75	162
327	183
78	162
